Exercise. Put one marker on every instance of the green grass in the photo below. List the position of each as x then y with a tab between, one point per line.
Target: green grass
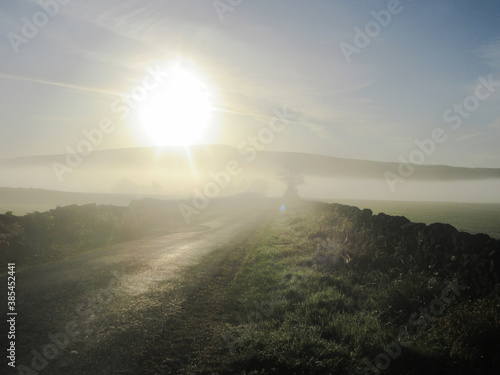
314	296
467	217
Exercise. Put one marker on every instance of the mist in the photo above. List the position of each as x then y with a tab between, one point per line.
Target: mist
181	172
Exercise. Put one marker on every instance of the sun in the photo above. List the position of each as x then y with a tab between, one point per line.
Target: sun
177	112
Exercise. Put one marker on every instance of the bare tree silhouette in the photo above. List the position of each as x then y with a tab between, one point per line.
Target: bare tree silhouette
292	181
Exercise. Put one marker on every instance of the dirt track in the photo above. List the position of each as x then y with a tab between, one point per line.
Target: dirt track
97	313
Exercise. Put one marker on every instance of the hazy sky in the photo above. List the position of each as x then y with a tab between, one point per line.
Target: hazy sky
260	56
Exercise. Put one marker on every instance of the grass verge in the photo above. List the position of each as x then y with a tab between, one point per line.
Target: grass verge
312	294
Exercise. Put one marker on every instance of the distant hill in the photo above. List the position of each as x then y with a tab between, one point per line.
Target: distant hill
176	171
212	157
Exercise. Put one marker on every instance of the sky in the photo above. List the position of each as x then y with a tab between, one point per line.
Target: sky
424	67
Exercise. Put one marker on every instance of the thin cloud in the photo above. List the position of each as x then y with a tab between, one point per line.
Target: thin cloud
60	84
131	20
468	137
491	53
495	124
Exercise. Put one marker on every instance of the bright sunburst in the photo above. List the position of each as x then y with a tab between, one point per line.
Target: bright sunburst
177	112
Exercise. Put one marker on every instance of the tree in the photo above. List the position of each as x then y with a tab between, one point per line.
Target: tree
292	181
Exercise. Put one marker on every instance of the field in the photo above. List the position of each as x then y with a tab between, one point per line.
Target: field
466	217
313	293
312	289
